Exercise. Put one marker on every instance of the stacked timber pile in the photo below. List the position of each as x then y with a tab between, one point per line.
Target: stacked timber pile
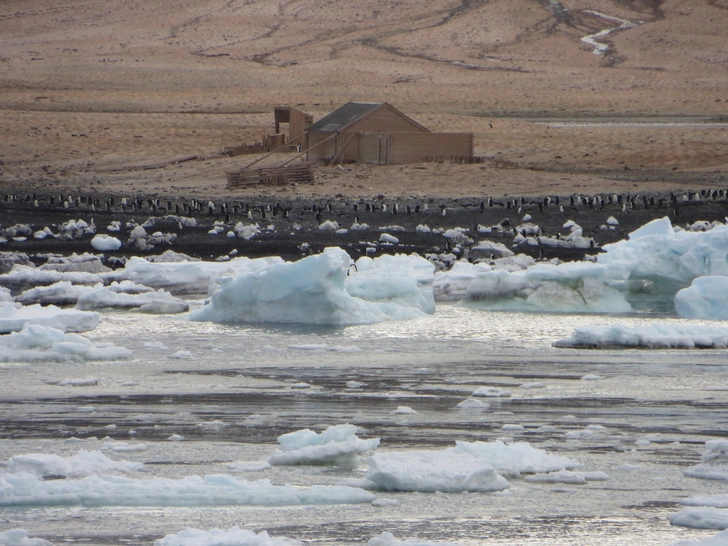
271	176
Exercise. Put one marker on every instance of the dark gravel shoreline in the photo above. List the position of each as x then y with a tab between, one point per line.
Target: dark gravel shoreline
299	226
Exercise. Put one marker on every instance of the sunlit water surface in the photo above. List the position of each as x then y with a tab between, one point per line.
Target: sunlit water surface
241	387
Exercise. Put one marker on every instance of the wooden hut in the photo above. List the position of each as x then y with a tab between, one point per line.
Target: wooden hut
297	122
368	132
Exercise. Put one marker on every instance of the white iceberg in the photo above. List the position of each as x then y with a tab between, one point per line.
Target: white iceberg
337	445
398	280
14	317
657	251
652	336
83	463
219	537
428	471
314	290
36	343
581	287
26	490
706	298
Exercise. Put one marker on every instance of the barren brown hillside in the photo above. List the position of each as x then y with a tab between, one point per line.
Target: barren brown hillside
92	90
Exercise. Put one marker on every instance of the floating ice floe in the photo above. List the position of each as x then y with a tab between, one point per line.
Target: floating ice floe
473	404
14	317
26	491
516	458
67	293
317	290
186	277
567	476
36	343
705	298
89	381
652	336
404	410
60	293
249	466
219	537
701	518
387	539
491	392
428	471
337	445
83	463
587	432
155	302
477	466
22	277
714	462
19	537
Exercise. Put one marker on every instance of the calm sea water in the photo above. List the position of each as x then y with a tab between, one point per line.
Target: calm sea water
240	389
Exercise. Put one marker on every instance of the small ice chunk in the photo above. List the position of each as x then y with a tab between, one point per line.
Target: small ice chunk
493	392
533	385
714	462
387	539
105	243
89	381
387	238
473	404
249	466
337	445
512	428
181	354
403	410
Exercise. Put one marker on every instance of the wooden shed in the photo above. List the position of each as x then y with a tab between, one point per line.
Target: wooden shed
376	132
297	122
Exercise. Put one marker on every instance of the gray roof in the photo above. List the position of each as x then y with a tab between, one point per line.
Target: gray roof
343	117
